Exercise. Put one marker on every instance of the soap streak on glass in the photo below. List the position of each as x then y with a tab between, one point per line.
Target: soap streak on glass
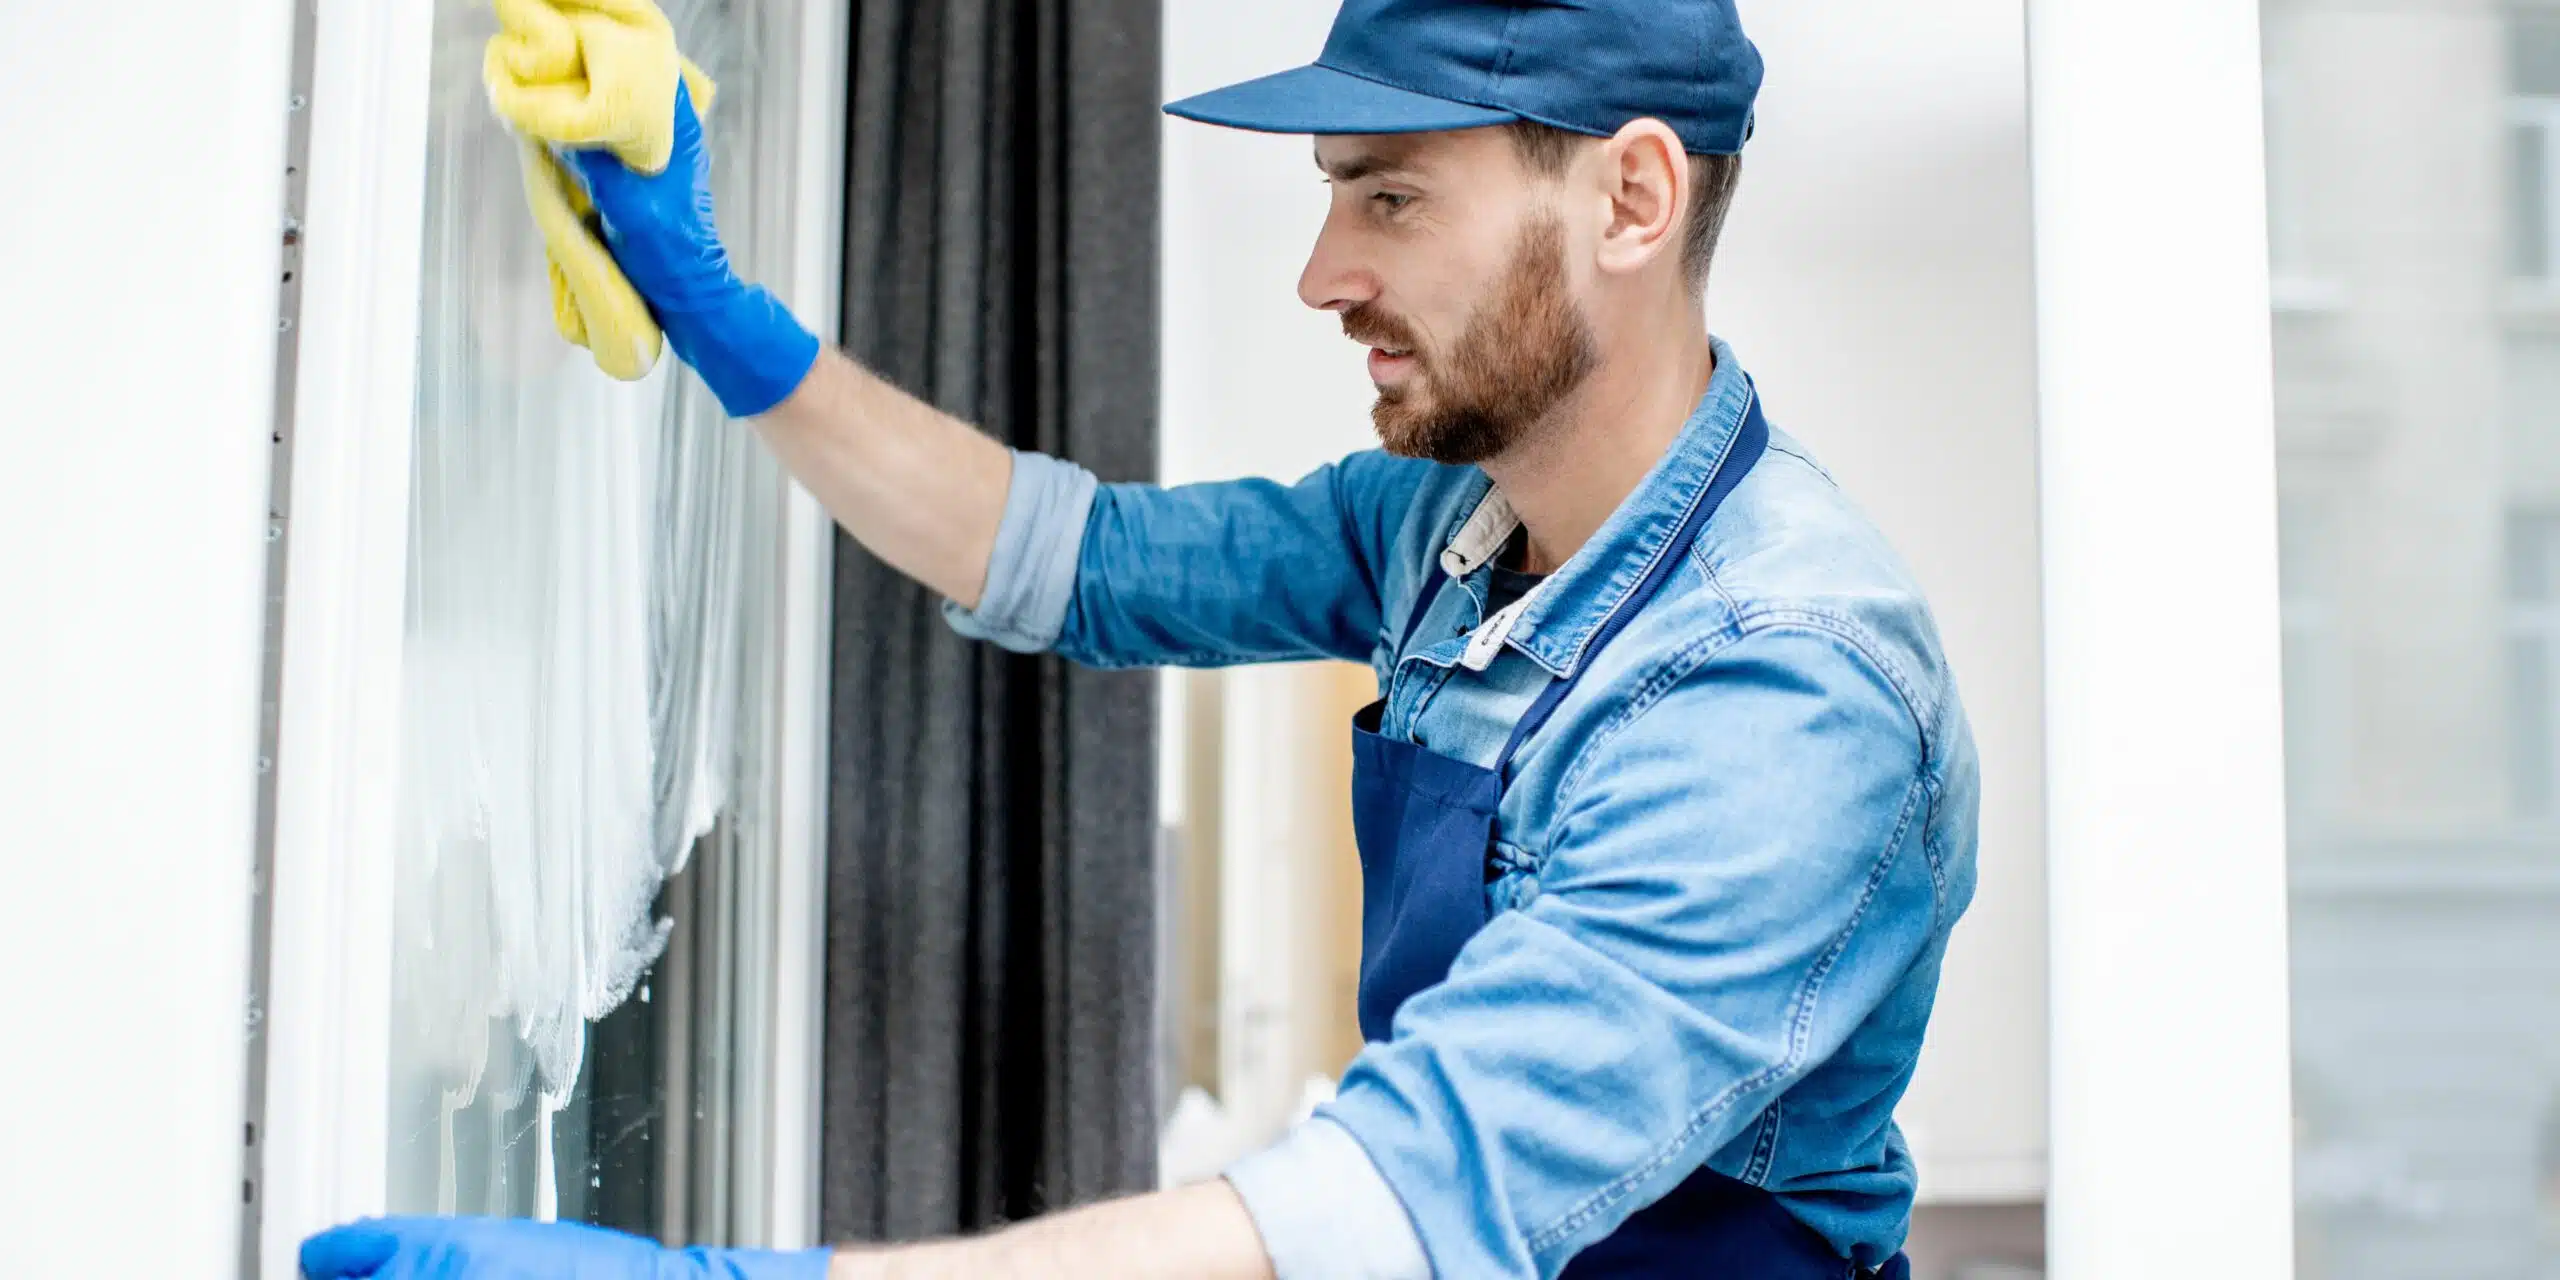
582	844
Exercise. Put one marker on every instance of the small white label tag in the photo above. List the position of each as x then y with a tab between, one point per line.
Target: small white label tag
1488	638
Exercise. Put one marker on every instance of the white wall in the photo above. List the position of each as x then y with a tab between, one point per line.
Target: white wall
1255	383
1876	278
138	242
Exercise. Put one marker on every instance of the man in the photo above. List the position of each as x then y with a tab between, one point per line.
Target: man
1668	804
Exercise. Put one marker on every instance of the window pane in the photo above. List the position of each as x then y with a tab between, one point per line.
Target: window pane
2419	420
2530	751
587	583
2533	52
2528	558
2307	581
2528	202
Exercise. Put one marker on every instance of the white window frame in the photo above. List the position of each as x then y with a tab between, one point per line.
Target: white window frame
325	1143
2171	1056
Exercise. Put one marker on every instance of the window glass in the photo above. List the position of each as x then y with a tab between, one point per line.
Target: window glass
2533	109
2533	52
2417	370
581	836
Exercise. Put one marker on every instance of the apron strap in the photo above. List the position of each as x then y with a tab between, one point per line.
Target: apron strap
1748	444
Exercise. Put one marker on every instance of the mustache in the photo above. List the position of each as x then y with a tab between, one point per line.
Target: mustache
1370	325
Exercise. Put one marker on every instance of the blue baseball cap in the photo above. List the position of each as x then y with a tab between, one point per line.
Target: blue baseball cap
1587	66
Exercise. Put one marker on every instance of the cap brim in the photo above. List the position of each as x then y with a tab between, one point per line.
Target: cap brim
1321	100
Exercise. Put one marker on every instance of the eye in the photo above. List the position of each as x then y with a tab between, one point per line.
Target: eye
1392	201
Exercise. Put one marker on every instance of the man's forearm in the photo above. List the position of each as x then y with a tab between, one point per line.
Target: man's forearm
1199	1232
922	490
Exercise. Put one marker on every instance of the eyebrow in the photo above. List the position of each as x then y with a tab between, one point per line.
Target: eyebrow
1369	165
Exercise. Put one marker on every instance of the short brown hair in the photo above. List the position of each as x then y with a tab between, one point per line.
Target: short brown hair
1546	150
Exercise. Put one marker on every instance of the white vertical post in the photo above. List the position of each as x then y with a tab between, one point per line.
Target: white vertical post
2170	1056
327	1141
816	247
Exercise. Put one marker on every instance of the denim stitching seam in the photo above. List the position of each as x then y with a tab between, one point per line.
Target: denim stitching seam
1807	459
1707	570
1681	662
1865	645
1765	1151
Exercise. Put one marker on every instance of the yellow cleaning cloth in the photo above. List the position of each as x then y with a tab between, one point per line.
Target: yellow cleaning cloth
589	73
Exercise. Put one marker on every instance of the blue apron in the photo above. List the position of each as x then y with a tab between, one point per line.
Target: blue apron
1424	823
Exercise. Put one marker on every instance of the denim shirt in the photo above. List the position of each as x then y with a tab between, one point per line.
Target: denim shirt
1724	872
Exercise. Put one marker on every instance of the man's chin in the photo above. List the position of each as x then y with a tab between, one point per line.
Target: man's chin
1410	430
1403	426
1425	443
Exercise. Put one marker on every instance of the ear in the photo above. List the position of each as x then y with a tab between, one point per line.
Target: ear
1644	173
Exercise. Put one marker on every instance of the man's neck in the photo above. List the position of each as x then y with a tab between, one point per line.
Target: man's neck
1573	471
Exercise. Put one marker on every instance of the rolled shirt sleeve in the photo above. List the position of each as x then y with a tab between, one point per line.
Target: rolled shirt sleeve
1324	1211
1031	577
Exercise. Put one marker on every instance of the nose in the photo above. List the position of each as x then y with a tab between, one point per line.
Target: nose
1334	279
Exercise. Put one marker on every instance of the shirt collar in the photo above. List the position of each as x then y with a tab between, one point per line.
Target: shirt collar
1554	624
1481	538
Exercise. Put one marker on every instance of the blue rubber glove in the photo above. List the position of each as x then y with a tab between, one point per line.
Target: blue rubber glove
514	1249
744	343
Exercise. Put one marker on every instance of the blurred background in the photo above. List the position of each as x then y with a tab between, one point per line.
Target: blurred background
2411	232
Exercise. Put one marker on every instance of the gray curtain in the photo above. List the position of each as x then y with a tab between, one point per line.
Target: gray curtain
990	967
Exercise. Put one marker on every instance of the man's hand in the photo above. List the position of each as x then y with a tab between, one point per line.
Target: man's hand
923	490
510	1249
745	344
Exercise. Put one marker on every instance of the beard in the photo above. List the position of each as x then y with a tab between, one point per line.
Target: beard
1525	349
